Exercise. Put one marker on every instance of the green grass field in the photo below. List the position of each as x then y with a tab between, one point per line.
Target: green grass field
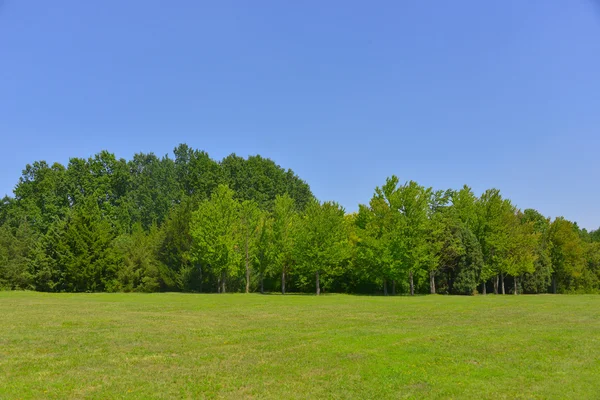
336	346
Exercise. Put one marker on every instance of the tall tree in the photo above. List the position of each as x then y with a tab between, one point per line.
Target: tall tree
175	249
197	174
493	232
566	254
139	268
411	201
540	279
521	245
377	225
285	219
154	189
74	255
16	246
249	232
265	251
322	241
438	224
215	232
261	180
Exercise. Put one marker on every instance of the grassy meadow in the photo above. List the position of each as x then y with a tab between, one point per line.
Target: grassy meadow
71	346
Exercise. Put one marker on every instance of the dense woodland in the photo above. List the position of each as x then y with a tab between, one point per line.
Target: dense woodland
190	223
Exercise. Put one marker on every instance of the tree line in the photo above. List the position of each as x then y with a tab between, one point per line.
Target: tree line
190	223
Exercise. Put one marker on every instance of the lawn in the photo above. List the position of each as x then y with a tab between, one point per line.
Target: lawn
296	346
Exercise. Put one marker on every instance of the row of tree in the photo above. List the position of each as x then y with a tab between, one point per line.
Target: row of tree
190	223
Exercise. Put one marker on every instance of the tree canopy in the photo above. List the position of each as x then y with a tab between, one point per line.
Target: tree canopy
190	223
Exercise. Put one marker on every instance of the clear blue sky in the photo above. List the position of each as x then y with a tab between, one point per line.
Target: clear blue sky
499	94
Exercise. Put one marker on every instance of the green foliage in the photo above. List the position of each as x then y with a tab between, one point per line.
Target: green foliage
285	221
15	251
197	174
567	255
322	242
261	180
249	229
215	232
595	235
460	259
190	223
175	249
376	228
74	254
467	272
410	207
153	188
265	256
138	266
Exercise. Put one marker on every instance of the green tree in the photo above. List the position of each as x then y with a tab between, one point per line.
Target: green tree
261	180
265	250
411	201
438	224
540	279
74	255
566	254
285	219
175	249
249	232
138	266
462	252
154	189
16	246
493	231
521	248
322	241
197	174
88	264
376	228
215	233
42	195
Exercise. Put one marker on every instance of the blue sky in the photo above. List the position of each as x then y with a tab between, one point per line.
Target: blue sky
499	94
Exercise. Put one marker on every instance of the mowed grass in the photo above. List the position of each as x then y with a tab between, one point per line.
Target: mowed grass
295	346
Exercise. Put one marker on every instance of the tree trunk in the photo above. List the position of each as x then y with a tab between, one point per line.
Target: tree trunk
283	281
432	282
554	284
393	287
412	285
502	279
219	284
496	284
223	283
318	284
515	285
484	291
385	287
247	269
200	286
262	284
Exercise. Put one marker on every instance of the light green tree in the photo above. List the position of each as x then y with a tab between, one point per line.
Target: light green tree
250	216
411	201
265	249
493	233
322	241
215	232
521	248
540	279
376	224
285	219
